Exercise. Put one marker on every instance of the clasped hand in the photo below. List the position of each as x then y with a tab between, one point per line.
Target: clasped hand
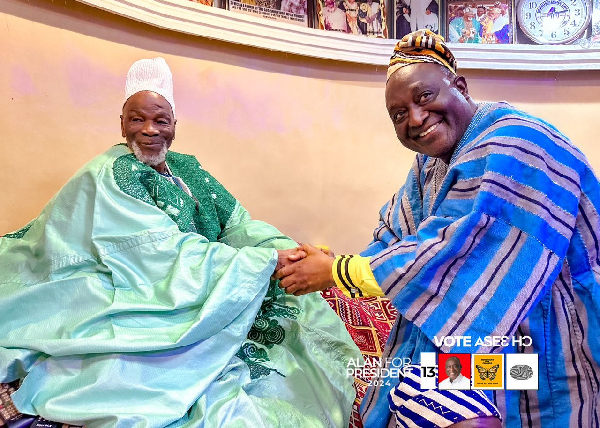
304	270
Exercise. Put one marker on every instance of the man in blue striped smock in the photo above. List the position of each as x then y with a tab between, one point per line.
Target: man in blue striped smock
494	233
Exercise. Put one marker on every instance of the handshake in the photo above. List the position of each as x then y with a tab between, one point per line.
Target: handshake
304	269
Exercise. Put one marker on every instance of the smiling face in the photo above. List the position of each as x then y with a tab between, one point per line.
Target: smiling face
453	368
148	126
429	107
469	14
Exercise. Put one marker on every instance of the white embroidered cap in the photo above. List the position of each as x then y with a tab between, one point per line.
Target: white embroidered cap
150	75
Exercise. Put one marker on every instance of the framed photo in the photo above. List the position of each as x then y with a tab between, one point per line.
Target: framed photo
360	17
207	2
483	21
290	11
596	22
412	15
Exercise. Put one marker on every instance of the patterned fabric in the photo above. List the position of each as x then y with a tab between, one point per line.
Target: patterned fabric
368	320
18	233
353	275
414	407
265	333
7	408
144	183
117	312
342	278
503	243
421	46
11	418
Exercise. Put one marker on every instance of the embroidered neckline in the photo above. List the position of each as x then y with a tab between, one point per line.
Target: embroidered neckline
482	110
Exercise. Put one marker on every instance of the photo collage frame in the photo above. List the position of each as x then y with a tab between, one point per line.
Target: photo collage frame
458	21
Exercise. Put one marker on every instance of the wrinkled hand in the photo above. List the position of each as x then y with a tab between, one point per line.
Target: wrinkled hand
312	273
287	257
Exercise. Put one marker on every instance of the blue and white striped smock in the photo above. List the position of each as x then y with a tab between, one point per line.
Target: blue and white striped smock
433	408
503	241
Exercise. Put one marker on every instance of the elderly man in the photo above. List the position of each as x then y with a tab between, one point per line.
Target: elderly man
141	297
494	234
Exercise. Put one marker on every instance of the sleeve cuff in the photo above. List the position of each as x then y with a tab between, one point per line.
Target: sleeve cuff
353	275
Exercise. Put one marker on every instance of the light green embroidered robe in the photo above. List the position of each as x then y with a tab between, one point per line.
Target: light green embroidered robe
122	305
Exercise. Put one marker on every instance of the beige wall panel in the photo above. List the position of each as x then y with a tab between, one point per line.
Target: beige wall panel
304	144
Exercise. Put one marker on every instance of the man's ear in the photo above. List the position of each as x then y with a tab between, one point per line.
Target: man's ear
461	84
174	123
122	127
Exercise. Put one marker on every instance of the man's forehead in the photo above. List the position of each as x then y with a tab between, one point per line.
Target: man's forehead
146	100
416	75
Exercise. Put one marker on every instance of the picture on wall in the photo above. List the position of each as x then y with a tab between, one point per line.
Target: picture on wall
205	2
290	11
412	15
596	22
365	17
484	22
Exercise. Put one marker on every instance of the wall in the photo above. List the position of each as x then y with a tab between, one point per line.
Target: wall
305	144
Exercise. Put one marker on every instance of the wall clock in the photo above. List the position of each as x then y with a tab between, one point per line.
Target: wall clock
554	21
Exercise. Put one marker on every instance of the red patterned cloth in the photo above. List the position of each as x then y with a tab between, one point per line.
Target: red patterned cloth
369	321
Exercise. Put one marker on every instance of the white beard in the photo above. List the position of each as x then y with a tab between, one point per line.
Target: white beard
150	160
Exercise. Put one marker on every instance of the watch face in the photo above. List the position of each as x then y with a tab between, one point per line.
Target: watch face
553	21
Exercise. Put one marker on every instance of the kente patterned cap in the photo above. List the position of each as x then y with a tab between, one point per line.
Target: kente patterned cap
150	75
421	46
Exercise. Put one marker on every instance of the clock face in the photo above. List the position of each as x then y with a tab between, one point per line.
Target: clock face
553	21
